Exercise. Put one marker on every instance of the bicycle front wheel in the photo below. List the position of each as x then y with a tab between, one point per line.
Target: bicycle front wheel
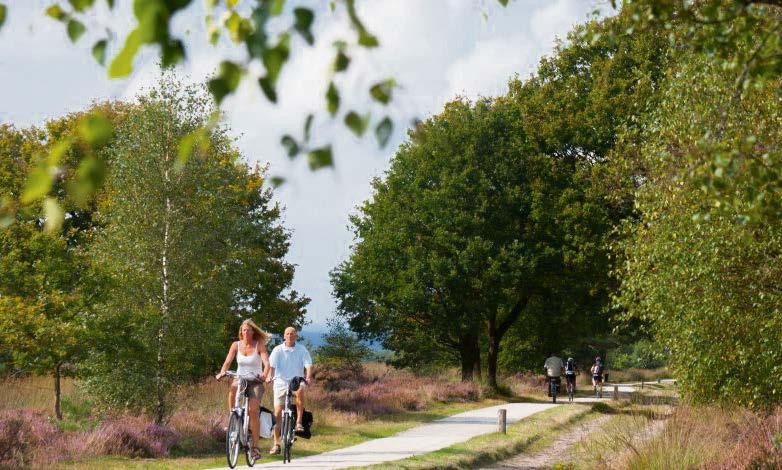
287	438
232	439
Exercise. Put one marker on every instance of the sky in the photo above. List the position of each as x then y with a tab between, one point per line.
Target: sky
436	50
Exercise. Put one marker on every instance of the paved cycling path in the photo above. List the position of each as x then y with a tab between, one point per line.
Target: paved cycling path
429	437
416	441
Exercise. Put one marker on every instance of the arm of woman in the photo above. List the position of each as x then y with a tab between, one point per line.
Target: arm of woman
229	358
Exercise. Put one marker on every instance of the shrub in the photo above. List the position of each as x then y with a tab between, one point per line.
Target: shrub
21	432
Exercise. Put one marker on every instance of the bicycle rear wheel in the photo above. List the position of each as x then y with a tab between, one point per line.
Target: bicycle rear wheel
232	443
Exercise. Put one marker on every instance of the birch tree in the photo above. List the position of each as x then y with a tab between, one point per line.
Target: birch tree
188	248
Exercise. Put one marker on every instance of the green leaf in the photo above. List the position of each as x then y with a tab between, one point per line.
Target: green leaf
238	27
81	5
3	13
75	29
381	91
99	51
277	181
111	4
308	127
56	12
358	124
96	130
320	158
332	99
383	131
256	41
291	145
122	64
226	82
275	58
268	89
366	39
341	62
88	179
173	52
304	19
53	215
277	7
39	181
503	2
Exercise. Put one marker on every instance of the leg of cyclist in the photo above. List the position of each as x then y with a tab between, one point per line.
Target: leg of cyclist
279	402
232	394
299	407
255	425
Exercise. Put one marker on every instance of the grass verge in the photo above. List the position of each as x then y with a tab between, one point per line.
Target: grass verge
528	435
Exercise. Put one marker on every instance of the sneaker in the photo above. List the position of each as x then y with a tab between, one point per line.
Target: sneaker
299	427
275	449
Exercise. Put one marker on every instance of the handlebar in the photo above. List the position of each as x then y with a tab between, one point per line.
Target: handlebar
232	373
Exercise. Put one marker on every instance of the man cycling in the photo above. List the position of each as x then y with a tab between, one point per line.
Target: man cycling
570	373
597	377
288	360
554	367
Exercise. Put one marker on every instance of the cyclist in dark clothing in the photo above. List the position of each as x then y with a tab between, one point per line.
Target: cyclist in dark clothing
571	372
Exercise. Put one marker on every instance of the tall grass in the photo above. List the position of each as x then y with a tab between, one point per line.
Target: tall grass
30	436
685	437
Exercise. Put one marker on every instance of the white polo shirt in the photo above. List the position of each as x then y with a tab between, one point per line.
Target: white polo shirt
289	362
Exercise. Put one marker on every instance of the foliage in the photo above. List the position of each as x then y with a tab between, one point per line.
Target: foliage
189	250
467	227
700	273
341	348
642	354
47	286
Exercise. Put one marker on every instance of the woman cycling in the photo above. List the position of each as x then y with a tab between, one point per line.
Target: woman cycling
251	359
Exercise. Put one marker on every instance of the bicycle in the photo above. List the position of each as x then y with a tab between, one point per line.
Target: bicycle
288	419
570	387
553	383
238	435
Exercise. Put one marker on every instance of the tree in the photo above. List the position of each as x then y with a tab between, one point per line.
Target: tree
700	272
469	225
189	249
341	348
47	286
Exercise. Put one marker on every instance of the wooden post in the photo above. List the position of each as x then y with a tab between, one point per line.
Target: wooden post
502	420
616	392
659	380
642	384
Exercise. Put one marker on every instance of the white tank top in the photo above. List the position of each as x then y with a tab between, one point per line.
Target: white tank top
248	365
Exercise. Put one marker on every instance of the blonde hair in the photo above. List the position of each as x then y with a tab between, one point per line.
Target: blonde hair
259	334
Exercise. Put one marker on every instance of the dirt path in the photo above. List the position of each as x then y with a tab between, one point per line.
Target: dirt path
554	452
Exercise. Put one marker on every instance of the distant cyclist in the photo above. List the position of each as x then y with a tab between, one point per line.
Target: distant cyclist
570	373
554	367
597	376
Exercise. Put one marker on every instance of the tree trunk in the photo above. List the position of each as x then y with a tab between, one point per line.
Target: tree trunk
468	352
494	349
160	411
57	409
495	331
477	366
